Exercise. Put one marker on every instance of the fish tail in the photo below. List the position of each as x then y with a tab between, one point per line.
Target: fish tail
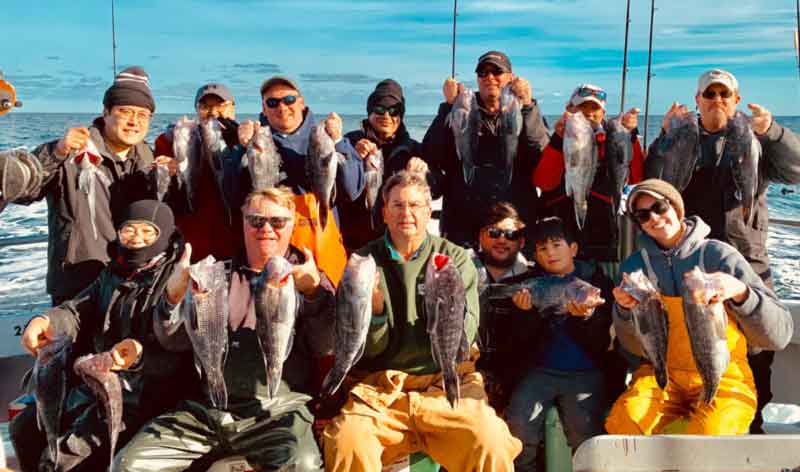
322	209
333	380
217	390
452	386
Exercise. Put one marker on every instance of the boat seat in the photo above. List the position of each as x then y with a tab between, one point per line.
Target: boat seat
688	453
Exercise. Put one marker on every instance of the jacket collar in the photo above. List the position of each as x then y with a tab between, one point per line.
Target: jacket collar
696	231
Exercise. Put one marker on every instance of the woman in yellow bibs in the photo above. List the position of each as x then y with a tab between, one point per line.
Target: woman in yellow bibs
671	246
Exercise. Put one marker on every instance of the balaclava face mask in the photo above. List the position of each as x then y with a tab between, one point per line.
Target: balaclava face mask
156	214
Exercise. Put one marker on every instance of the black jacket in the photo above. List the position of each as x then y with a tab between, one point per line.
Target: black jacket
120	305
75	257
463	207
711	193
354	217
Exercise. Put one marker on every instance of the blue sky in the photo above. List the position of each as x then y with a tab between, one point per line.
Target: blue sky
58	53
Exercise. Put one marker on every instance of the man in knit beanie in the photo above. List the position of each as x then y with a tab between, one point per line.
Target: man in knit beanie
89	176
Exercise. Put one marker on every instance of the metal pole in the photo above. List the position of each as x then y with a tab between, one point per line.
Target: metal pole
113	38
453	58
625	58
649	75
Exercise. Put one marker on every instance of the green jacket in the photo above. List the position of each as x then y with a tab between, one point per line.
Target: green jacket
398	338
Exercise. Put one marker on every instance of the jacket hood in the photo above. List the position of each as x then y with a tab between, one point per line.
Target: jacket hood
696	231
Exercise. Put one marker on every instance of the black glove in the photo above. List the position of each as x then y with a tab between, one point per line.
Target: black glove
230	131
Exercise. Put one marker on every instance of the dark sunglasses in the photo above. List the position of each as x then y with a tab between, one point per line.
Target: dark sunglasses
273	102
483	73
587	92
393	110
712	94
642	215
509	234
258	221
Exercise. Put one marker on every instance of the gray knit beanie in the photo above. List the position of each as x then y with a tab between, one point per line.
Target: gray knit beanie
657	188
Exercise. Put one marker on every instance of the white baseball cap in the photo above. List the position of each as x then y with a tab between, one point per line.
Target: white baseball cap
588	93
717	76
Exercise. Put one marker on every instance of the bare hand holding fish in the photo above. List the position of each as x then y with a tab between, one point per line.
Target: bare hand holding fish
451	89
761	120
723	287
38	334
333	126
522	89
125	353
246	131
306	275
675	110
365	147
416	164
74	140
178	281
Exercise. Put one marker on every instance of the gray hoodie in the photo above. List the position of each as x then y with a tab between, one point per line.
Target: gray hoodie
764	320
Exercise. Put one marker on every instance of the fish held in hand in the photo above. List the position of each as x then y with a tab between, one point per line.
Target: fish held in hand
580	162
353	316
550	294
464	121
186	147
321	165
95	370
445	308
205	313
650	322
707	324
89	172
745	151
47	381
619	154
263	160
276	306
373	173
679	149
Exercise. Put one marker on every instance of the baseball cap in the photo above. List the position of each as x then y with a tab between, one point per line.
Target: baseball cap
496	58
588	93
717	76
278	80
219	90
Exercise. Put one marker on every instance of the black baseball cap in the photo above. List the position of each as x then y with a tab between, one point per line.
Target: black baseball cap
496	58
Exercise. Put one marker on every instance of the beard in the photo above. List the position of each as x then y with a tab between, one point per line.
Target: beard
490	260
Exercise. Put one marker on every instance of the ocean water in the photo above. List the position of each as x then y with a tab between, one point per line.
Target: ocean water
23	268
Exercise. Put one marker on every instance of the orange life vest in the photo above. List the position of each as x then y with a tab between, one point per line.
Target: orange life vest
327	246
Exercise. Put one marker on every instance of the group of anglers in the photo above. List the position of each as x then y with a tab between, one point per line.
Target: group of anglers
132	288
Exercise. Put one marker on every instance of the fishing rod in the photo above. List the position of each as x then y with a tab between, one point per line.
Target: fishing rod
113	39
453	56
649	75
797	35
625	57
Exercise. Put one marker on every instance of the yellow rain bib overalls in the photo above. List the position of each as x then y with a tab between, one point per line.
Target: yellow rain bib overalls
646	409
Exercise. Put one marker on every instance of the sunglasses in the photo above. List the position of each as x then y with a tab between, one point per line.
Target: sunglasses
509	234
288	100
393	110
483	73
587	92
712	94
642	215
275	222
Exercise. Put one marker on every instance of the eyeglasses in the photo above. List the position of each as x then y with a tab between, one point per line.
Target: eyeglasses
128	113
399	207
218	108
509	234
642	215
587	92
288	100
275	222
483	73
147	232
393	110
712	94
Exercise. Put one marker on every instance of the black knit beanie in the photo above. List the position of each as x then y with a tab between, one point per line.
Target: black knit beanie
131	87
387	93
158	215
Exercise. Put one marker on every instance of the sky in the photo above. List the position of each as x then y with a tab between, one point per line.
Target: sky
59	53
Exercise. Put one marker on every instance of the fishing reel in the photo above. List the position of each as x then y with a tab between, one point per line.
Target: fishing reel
8	96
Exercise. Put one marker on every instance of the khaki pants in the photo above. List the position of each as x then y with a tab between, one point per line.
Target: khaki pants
391	414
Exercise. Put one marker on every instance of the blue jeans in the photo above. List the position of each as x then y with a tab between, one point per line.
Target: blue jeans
579	397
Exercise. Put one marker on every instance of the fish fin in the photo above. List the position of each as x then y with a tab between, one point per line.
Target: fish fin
26	385
721	324
333	380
